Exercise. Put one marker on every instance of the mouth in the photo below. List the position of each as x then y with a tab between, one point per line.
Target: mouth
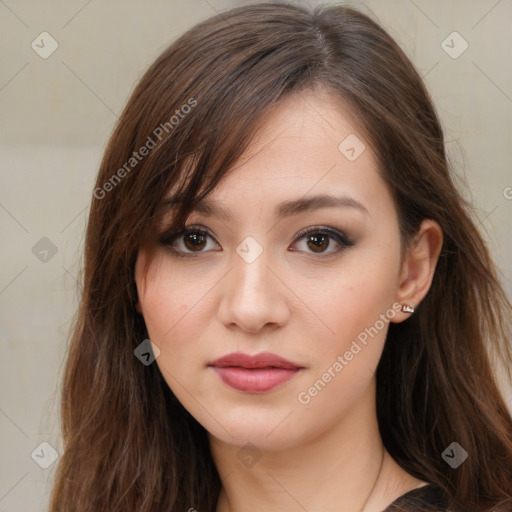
254	374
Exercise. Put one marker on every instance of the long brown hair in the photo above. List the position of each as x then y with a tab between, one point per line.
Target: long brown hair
129	444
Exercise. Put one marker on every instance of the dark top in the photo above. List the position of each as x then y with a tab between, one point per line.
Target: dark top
430	498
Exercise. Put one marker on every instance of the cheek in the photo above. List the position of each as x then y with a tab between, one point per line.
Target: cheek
173	312
356	304
357	308
362	290
174	327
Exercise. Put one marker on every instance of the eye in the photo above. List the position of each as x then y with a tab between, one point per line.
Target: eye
319	239
188	240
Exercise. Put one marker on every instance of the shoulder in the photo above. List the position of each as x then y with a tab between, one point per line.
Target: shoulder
428	498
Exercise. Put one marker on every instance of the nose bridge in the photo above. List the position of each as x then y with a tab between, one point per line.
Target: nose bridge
250	276
252	297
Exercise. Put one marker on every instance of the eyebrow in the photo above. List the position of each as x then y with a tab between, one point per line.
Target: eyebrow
212	207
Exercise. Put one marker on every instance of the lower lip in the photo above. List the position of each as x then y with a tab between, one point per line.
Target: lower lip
256	380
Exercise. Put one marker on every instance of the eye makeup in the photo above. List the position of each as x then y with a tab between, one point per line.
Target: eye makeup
197	237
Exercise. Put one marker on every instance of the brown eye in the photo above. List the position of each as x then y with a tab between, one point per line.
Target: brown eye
188	241
194	240
318	241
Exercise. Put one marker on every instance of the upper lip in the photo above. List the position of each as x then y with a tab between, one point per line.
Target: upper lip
261	360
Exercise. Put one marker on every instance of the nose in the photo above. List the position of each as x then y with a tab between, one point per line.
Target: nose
253	298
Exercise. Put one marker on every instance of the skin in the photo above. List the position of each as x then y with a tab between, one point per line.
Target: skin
305	306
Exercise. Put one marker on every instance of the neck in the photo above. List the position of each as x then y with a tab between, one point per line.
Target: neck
344	468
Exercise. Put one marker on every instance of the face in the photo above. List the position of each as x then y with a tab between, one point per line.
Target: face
265	268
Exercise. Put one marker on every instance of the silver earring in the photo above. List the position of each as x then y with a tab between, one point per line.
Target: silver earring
407	309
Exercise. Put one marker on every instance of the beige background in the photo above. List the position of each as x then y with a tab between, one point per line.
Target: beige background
57	113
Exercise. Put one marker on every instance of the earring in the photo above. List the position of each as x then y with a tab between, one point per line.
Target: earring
407	309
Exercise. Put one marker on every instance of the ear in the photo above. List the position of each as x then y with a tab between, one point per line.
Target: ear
419	266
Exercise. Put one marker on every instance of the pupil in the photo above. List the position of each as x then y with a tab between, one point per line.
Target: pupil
315	239
195	241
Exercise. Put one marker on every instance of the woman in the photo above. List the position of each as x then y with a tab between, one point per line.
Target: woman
275	212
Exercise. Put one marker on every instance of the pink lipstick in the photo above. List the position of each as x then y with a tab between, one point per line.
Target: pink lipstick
254	374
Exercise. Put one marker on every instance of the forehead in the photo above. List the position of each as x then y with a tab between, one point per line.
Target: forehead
307	151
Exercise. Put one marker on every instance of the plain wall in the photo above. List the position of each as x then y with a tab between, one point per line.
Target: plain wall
57	114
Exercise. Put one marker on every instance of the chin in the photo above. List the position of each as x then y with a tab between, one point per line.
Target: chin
267	431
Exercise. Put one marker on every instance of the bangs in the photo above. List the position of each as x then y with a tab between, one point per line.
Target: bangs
235	78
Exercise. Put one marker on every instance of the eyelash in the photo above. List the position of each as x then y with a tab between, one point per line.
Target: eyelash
340	238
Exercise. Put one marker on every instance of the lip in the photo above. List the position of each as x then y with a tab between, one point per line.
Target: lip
258	373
